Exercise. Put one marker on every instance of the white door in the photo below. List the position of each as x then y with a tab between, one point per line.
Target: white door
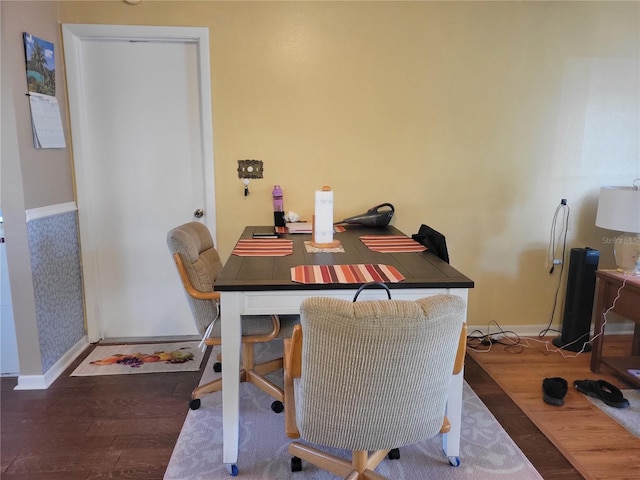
140	113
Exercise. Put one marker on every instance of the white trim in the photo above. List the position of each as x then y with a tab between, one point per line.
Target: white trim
42	382
625	328
148	33
206	134
50	210
73	37
31	382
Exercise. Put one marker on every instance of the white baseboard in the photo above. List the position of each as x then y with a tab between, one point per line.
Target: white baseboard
619	328
613	328
42	382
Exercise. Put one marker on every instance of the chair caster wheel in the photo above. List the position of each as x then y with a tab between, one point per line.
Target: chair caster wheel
454	461
277	406
232	469
194	404
394	454
217	367
296	464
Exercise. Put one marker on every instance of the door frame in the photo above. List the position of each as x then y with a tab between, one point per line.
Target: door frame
73	37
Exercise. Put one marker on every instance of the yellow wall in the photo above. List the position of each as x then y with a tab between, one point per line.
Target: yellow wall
473	117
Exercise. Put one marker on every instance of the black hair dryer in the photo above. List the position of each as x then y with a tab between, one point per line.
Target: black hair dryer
374	217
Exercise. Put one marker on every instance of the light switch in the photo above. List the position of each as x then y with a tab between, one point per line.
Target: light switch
250	169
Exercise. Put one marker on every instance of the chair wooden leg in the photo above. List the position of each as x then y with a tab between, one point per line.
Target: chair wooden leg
213	386
359	460
265	385
371	475
360	468
253	373
322	459
268	367
249	372
375	458
210	387
247	356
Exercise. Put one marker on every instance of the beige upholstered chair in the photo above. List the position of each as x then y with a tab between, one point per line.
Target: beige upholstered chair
199	264
370	376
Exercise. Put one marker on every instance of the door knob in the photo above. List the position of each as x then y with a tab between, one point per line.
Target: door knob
198	213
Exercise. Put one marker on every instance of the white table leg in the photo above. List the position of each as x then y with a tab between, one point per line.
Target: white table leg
231	340
451	440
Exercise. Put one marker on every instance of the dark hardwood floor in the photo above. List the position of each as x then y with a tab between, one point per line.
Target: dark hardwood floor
81	428
125	426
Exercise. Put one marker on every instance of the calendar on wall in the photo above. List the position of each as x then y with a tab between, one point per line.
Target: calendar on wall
46	121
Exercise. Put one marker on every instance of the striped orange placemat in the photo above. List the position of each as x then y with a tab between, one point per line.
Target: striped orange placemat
263	247
391	243
358	273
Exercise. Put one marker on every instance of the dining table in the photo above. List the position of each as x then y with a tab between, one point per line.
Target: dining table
265	276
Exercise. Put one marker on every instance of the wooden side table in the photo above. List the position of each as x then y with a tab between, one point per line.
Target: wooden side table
608	282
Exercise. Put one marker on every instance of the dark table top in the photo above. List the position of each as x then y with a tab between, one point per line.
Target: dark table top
421	270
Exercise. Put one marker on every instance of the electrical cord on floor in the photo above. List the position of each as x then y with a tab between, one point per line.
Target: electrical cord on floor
557	261
513	343
481	342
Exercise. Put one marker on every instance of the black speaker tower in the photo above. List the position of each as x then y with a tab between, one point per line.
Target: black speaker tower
578	303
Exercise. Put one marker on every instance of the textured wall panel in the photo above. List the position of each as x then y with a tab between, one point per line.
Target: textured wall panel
57	281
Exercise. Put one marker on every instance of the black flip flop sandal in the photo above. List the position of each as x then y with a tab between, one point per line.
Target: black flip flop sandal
609	394
554	390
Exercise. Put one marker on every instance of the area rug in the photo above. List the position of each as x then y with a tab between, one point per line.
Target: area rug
487	452
142	358
628	417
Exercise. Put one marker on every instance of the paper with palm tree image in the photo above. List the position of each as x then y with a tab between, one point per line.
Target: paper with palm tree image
46	121
41	70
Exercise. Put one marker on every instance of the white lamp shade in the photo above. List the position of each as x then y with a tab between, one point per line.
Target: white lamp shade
619	209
